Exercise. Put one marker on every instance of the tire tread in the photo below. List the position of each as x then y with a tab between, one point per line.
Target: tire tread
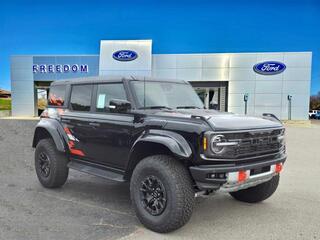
183	187
59	169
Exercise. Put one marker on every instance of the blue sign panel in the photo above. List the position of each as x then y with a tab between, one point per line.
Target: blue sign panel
269	68
125	55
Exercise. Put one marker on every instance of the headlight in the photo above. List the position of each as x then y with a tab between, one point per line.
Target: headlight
218	144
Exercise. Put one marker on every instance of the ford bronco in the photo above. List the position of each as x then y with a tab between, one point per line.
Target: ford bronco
157	135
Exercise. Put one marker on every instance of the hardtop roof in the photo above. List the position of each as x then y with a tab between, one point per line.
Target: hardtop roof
103	79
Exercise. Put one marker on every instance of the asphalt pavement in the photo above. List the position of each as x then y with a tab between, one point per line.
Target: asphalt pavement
88	207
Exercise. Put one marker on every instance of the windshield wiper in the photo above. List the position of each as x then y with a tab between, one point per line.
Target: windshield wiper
188	107
156	107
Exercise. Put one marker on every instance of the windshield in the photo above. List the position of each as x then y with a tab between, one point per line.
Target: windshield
165	95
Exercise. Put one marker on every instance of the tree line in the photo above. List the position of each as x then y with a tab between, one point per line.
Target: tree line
315	102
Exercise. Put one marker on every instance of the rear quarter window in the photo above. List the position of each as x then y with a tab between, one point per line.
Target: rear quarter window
81	97
57	95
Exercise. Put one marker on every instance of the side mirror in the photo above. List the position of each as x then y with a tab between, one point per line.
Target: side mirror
119	105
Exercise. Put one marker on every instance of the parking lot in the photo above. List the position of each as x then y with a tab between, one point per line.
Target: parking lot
88	207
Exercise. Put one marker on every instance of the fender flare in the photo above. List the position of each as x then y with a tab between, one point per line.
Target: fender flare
176	143
56	132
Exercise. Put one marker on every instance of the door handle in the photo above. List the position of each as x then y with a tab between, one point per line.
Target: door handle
94	124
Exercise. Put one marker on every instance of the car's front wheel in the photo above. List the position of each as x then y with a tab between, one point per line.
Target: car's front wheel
162	193
258	193
50	164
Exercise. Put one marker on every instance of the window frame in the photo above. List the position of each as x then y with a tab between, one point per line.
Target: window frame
70	95
95	95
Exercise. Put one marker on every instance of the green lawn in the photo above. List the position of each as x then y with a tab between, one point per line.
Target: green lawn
5	104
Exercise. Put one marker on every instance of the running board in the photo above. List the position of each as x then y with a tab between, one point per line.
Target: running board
96	170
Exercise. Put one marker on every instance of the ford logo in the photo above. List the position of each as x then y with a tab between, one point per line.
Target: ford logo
125	55
269	68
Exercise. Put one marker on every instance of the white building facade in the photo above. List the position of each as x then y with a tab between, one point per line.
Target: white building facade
270	82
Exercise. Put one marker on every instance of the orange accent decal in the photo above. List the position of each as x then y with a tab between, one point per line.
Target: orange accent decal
242	176
71	144
67	130
278	167
75	151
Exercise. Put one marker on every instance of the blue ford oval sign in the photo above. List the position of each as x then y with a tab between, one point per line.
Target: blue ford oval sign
269	68
125	55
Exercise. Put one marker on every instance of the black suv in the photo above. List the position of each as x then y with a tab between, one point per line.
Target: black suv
157	135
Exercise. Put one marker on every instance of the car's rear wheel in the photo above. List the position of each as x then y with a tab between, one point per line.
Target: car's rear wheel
50	164
257	193
162	193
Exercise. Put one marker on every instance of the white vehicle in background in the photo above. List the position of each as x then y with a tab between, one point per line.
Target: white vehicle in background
313	113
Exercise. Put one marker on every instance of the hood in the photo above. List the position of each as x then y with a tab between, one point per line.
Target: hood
221	121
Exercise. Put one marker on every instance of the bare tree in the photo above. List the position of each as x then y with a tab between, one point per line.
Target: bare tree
315	101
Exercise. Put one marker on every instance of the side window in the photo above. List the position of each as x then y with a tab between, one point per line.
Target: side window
57	95
109	91
81	97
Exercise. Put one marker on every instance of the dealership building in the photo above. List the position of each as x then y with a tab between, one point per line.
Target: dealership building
251	83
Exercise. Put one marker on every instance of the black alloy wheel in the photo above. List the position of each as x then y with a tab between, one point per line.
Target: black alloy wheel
162	193
51	165
153	195
44	164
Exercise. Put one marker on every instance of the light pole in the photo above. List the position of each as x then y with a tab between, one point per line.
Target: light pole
289	107
245	99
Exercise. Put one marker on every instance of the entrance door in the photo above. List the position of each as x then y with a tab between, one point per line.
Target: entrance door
210	97
41	96
214	95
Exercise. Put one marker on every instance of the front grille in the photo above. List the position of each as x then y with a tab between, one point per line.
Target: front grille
255	143
246	148
254	134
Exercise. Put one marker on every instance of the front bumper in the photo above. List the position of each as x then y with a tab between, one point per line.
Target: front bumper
225	177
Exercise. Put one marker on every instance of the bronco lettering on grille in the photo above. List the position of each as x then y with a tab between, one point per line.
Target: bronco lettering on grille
263	141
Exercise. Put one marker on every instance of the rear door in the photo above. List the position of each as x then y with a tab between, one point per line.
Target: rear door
77	120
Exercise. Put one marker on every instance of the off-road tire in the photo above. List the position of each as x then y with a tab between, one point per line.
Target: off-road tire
257	193
179	191
59	171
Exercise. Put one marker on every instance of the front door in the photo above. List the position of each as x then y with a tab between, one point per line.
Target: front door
112	131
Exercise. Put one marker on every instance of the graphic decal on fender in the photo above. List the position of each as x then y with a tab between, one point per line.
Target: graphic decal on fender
75	151
69	134
71	143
